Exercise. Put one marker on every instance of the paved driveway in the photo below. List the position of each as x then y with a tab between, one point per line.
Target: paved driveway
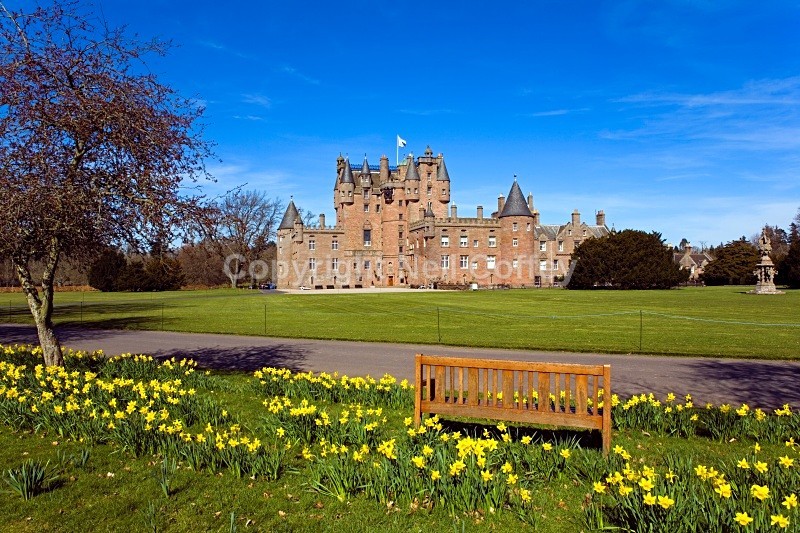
763	384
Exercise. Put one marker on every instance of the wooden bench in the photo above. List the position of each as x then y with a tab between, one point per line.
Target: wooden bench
484	388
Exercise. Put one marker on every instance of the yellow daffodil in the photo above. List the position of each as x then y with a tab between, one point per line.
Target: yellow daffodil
743	519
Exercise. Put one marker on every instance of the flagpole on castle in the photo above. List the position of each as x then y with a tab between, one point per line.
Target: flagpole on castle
400	144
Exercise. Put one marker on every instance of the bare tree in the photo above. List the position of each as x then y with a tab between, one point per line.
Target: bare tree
91	152
248	222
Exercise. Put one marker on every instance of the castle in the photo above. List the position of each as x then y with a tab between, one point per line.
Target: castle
395	226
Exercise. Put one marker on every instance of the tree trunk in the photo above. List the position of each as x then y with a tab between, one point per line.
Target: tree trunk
42	306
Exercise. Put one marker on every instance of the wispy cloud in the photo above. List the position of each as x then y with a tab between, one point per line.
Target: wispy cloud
248	117
213	45
555	112
762	115
257	99
299	75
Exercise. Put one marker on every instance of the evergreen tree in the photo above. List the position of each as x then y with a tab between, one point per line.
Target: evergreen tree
789	268
628	259
106	269
733	264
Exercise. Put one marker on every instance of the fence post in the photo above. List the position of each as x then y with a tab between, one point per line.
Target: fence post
641	326
438	326
265	319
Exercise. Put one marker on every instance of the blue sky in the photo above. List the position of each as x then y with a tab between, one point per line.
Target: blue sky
676	116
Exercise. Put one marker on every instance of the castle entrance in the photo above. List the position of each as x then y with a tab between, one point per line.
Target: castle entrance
391	281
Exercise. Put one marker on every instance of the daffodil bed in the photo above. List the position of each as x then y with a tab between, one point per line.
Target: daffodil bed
199	448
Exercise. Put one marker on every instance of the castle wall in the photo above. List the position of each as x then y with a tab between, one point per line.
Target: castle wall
407	248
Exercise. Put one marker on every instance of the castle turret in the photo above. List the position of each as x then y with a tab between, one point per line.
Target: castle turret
429	221
289	216
366	179
443	180
347	185
412	183
515	216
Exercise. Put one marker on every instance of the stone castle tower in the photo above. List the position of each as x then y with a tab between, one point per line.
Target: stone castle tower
393	228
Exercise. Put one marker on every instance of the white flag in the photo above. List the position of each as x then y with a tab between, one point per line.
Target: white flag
400	142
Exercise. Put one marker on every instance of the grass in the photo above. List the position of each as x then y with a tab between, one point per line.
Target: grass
114	491
711	321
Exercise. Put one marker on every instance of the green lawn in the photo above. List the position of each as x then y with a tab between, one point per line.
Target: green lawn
712	321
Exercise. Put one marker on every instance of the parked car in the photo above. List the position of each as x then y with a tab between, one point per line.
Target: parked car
267	286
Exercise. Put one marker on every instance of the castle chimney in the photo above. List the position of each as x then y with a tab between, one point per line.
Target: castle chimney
687	248
322	221
421	213
576	218
501	201
384	169
480	211
601	218
453	212
535	218
530	201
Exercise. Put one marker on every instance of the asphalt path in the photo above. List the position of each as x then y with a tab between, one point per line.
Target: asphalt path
765	384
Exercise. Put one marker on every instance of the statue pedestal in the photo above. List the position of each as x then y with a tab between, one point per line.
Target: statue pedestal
765	274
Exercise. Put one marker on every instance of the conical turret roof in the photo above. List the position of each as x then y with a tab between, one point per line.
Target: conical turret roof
412	173
291	214
347	173
365	167
515	205
441	172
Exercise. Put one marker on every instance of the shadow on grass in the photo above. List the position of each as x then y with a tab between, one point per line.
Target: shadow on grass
767	384
581	438
243	358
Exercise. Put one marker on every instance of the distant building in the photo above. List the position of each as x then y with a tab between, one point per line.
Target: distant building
395	226
692	261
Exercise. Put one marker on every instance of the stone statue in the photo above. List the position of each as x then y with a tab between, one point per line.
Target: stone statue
765	270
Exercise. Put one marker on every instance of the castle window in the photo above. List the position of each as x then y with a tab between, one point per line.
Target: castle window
408	190
463	242
400	216
463	261
555	264
366	194
514	242
280	239
514	263
400	249
312	244
312	263
474	265
367	237
492	241
475	243
543	265
429	176
444	192
335	263
528	226
416	191
560	246
542	246
430	189
349	194
577	243
400	233
445	241
569	232
445	261
377	208
584	233
490	262
334	244
514	226
366	208
366	264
